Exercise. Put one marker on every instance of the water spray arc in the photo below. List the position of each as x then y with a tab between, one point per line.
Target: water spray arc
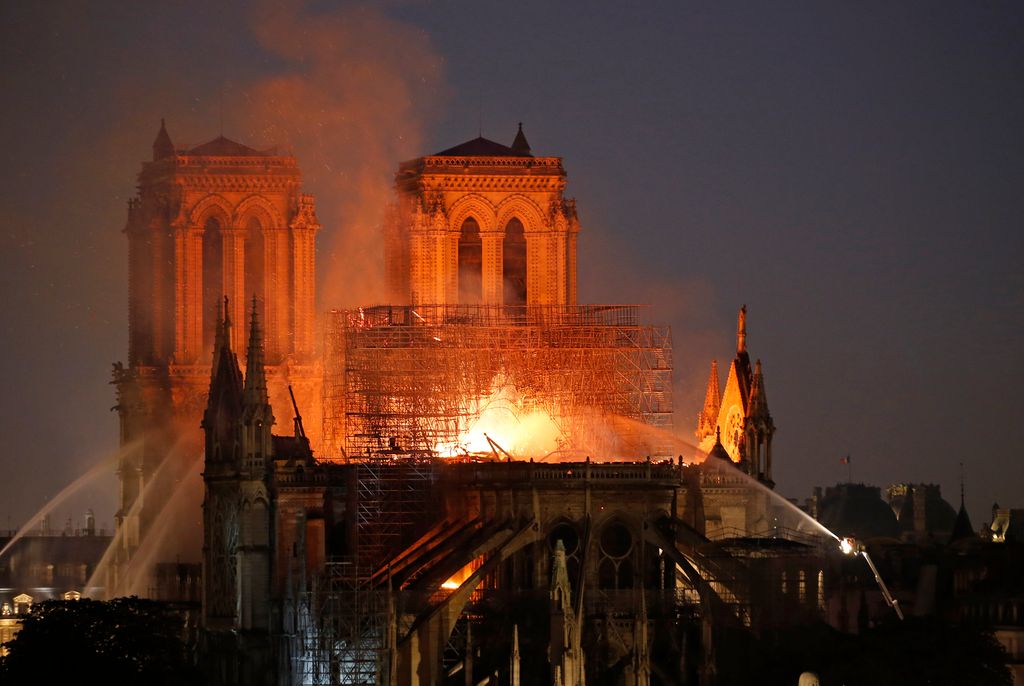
100	575
99	469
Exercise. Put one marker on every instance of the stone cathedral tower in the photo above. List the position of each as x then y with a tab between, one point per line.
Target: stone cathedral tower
214	221
738	418
482	223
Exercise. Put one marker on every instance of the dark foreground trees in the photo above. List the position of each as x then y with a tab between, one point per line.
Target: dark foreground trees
122	641
917	651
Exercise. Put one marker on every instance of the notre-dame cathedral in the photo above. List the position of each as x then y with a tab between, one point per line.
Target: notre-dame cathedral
395	563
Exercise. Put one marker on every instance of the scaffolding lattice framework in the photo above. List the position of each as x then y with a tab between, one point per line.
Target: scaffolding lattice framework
410	378
391	500
342	628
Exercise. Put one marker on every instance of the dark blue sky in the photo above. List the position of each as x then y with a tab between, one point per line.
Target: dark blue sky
851	172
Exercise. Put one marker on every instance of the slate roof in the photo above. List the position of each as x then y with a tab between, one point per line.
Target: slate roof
225	147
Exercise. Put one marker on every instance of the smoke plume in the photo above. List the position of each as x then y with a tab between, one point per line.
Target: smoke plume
353	96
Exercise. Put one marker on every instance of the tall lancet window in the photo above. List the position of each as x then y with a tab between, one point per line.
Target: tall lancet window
213	279
470	263
513	263
254	260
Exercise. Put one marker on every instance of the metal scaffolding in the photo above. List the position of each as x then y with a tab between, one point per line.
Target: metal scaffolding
408	379
391	502
342	628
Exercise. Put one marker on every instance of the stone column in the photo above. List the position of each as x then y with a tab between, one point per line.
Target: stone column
440	271
304	289
450	291
571	268
420	260
535	276
493	277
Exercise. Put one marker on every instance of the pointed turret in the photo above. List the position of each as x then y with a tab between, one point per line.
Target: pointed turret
226	376
255	374
224	401
741	331
740	367
707	418
718	451
560	587
519	144
563	649
162	146
962	526
257	415
757	404
760	430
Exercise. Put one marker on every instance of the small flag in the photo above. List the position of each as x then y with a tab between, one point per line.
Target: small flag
844	460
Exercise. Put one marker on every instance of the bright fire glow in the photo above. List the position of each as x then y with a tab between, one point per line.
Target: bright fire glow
848	545
459	577
504	417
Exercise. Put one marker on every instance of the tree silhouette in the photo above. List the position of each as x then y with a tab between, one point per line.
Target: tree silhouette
122	641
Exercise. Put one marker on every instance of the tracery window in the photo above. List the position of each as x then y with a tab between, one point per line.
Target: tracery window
470	263
513	263
616	568
213	279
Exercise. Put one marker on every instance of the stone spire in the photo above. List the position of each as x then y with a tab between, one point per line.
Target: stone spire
222	338
757	404
962	527
224	399
718	450
519	144
255	375
741	331
162	146
564	647
513	667
641	666
225	371
257	415
707	418
560	587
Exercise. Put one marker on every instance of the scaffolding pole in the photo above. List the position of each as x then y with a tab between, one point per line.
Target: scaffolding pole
410	379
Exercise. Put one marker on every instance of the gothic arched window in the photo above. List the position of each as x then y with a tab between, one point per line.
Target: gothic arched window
213	279
513	263
471	257
616	568
254	260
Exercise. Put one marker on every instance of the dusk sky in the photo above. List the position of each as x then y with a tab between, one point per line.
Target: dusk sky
850	171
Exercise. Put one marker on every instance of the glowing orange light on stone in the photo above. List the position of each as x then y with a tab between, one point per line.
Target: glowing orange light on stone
459	577
504	417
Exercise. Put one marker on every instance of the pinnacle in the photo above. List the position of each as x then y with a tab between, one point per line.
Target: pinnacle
520	144
162	146
223	336
741	331
255	374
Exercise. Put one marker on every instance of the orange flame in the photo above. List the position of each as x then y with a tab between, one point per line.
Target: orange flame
459	577
503	417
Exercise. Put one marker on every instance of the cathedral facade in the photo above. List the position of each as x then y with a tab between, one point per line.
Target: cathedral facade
482	223
738	418
394	565
208	221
